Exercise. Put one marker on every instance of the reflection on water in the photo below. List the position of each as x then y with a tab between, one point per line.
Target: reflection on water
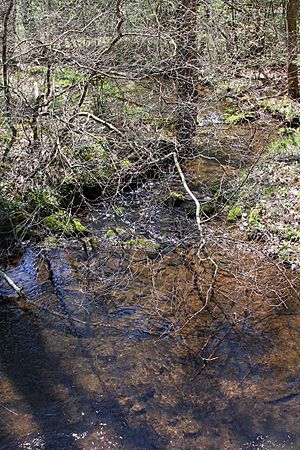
103	374
109	358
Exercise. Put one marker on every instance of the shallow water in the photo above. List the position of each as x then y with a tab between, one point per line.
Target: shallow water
114	354
93	368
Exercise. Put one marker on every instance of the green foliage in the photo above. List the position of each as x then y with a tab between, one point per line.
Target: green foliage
95	243
43	200
139	113
236	118
255	219
286	142
234	214
51	242
290	233
270	190
214	188
284	108
12	214
68	75
108	89
119	210
38	70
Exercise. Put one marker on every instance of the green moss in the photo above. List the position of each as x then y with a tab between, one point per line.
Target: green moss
287	143
38	70
175	199
108	89
78	227
241	117
208	209
119	210
214	188
5	137
286	254
62	223
114	232
290	233
68	75
283	107
44	201
95	243
270	190
255	219
50	242
234	213
139	113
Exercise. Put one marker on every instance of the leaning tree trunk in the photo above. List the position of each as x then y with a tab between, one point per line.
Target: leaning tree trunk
292	35
186	73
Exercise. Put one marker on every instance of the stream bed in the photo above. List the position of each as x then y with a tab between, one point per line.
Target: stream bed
117	352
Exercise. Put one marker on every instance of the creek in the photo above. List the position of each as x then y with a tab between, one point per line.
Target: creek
108	356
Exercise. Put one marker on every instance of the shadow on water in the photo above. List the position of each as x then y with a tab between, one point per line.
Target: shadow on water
43	397
67	384
33	371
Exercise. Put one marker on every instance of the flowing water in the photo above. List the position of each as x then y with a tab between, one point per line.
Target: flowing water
114	353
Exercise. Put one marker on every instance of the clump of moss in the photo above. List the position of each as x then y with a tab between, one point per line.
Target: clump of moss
235	117
119	210
208	209
142	243
114	232
62	223
51	242
175	199
68	75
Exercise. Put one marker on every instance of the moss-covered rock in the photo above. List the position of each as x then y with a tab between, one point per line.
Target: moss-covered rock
142	243
114	232
208	209
64	224
235	117
175	199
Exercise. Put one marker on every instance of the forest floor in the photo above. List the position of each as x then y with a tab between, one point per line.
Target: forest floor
268	205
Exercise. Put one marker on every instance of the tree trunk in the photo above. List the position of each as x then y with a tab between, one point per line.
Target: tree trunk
186	73
6	54
291	19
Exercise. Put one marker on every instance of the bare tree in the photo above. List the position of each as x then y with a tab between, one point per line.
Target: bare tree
5	73
291	19
186	72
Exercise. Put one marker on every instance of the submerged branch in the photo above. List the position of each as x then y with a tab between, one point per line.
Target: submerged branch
12	284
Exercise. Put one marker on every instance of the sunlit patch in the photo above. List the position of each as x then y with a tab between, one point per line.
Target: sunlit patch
266	443
38	442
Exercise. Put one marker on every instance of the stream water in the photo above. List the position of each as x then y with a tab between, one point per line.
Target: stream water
114	355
